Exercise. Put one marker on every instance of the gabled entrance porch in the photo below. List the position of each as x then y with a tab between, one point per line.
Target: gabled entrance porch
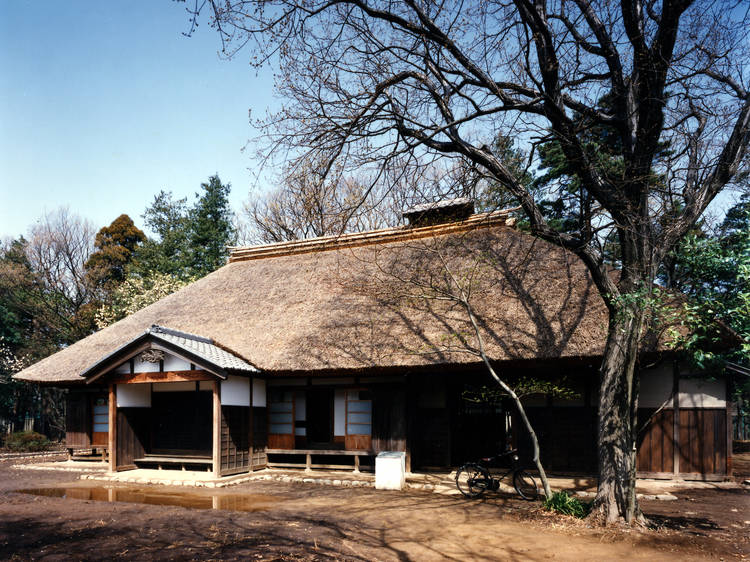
178	401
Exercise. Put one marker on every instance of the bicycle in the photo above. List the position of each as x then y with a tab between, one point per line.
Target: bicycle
474	479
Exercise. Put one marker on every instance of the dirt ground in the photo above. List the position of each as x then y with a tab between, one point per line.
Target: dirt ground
315	522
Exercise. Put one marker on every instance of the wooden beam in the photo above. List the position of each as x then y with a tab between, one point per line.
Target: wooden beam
112	439
336	452
217	430
168	376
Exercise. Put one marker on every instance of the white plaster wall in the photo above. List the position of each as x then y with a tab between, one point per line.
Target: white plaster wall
259	393
123	368
145	366
133	395
339	412
174	363
701	393
235	391
656	386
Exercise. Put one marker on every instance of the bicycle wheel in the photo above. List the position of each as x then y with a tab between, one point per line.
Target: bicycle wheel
472	480
525	485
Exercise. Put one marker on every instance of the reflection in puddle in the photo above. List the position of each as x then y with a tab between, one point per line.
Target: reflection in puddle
230	502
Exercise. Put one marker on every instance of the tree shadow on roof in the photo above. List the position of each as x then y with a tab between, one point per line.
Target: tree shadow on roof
401	304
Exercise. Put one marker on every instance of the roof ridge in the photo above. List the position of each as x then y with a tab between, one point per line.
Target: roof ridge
393	234
156	329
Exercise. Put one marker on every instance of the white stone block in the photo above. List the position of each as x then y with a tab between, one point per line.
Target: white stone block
390	471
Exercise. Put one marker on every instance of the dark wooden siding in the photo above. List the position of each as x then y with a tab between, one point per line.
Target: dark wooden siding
567	437
431	440
78	419
235	439
703	441
478	431
260	437
182	422
429	421
133	429
389	419
656	441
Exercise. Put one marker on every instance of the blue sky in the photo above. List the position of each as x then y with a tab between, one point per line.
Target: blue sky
103	104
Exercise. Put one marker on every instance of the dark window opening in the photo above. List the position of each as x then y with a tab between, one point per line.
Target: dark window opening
319	416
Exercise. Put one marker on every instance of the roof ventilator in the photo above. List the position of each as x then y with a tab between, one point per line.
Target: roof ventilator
447	210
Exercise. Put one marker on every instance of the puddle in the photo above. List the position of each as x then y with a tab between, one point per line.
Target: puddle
229	502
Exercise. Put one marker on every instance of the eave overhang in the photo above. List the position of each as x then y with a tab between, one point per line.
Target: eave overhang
195	349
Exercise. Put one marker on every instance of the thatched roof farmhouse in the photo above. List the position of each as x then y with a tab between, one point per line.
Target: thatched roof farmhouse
355	344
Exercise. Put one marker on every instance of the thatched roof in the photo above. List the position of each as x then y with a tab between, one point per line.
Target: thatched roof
374	300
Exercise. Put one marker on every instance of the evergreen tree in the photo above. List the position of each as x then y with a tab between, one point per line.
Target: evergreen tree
169	253
211	228
115	246
191	241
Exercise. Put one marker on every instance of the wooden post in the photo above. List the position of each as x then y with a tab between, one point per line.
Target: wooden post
356	464
308	462
676	418
112	438
405	416
217	430
250	434
728	384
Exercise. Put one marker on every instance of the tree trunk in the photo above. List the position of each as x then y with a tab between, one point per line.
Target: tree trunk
618	402
519	406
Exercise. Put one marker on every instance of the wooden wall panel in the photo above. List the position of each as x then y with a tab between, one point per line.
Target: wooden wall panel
280	441
656	441
358	442
260	437
235	440
78	419
430	440
388	419
133	430
703	441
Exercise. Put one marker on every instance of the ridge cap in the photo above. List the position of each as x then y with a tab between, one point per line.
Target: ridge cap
354	239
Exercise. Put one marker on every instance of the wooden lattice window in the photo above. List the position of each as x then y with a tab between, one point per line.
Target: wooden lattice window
358	419
280	419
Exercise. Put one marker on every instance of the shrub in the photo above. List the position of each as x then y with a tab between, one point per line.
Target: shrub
562	502
27	441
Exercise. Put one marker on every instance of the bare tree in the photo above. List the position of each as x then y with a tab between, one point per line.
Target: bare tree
367	83
314	200
453	272
311	201
43	283
53	286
